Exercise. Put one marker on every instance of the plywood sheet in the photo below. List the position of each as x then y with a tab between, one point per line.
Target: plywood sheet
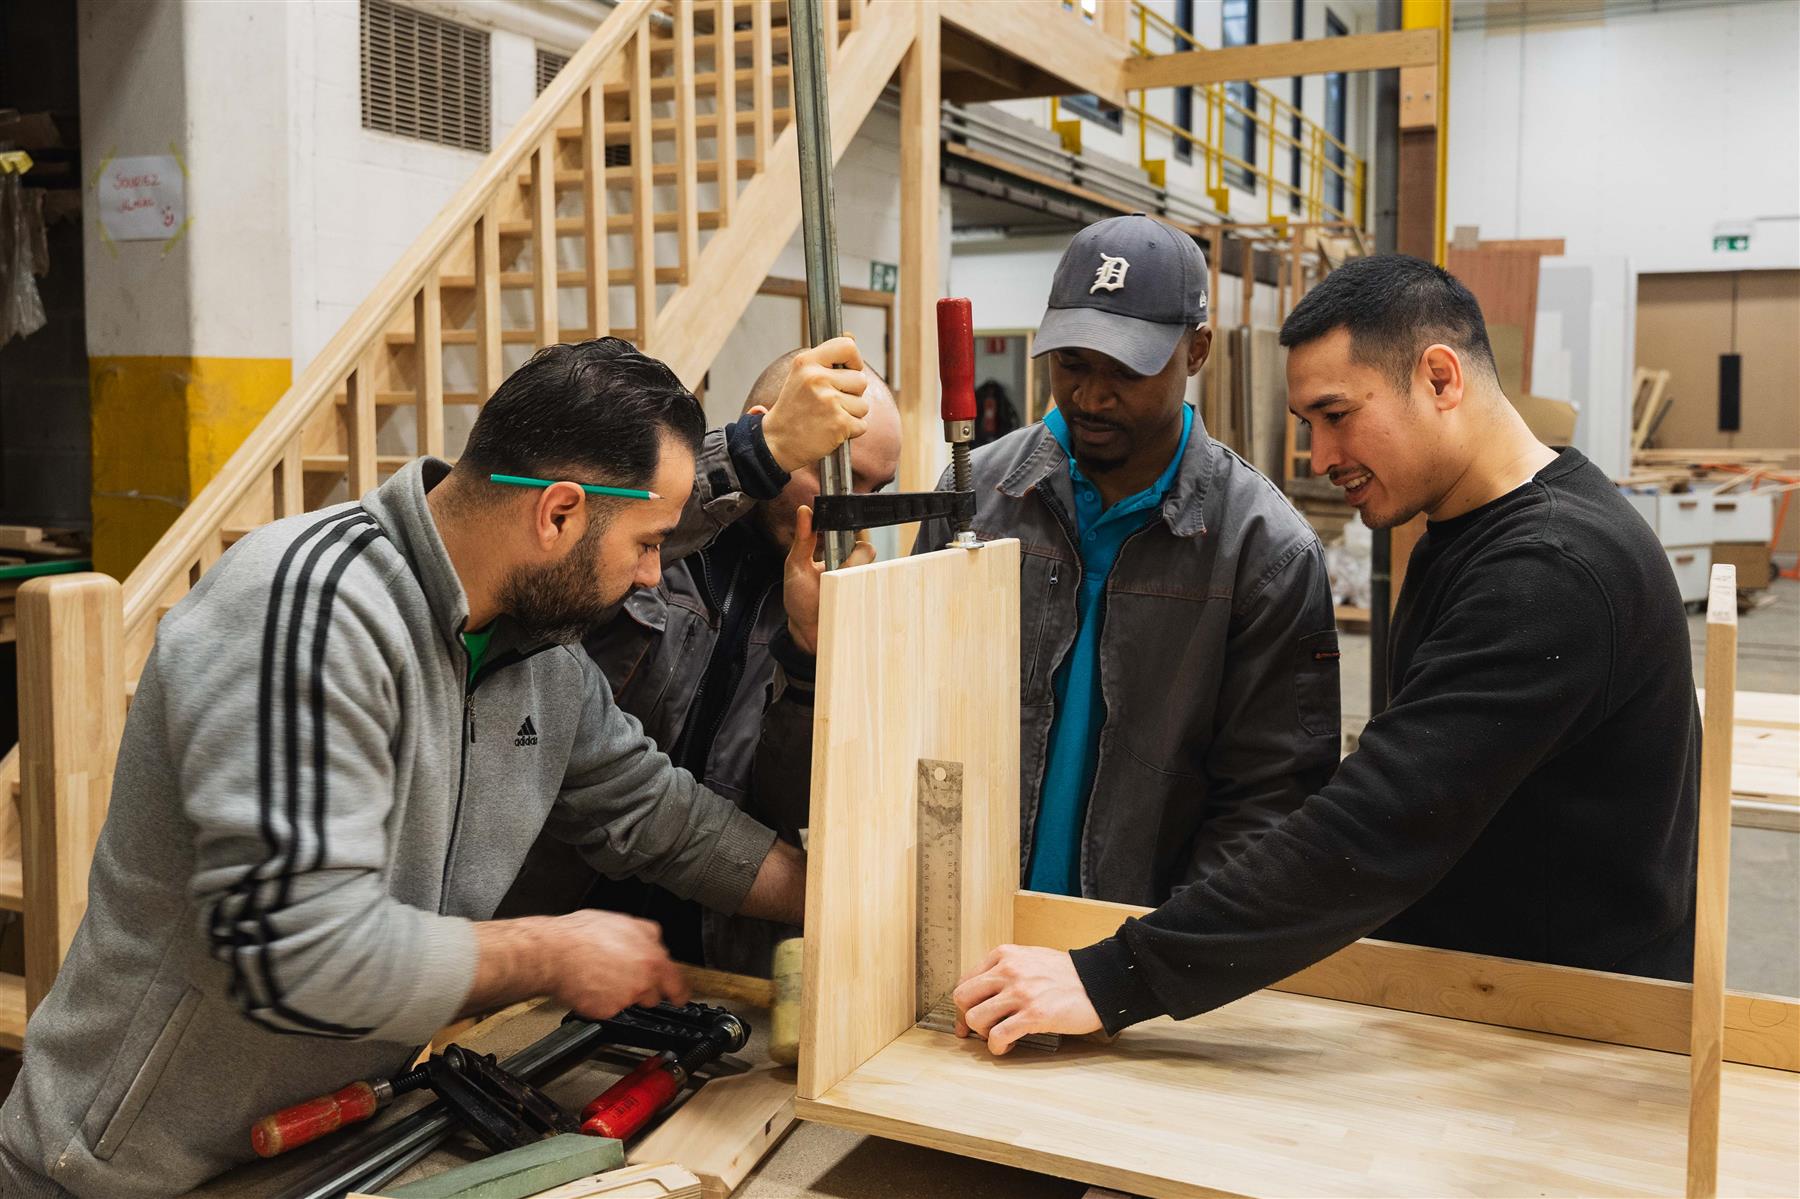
1288	1095
1506	283
919	658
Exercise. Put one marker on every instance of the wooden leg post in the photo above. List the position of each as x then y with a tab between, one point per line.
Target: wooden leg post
920	286
71	714
1712	886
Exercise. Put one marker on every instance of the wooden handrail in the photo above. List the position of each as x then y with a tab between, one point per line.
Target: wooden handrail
186	539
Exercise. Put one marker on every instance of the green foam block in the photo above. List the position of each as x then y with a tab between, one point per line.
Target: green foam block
519	1173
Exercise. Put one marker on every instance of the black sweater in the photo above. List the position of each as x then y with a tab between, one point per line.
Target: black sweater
1531	792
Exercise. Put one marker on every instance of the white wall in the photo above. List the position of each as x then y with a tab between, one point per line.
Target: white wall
1634	136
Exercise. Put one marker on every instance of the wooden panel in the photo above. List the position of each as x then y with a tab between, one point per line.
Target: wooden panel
725	1129
1279	60
1506	283
359	426
1050	38
71	715
916	387
643	195
725	144
593	212
489	365
543	245
1712	886
761	91
1648	1013
428	340
1284	1095
918	659
687	202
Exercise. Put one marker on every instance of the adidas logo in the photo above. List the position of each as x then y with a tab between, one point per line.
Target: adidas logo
527	734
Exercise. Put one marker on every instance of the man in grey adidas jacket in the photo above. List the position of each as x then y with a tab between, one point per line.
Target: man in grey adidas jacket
343	743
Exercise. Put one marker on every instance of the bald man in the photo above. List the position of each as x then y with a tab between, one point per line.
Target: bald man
719	671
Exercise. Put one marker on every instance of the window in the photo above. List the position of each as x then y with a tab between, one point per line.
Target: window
1096	110
1296	177
424	77
1184	96
549	62
1336	121
1239	29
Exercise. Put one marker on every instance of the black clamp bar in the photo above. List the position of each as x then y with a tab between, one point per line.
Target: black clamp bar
880	510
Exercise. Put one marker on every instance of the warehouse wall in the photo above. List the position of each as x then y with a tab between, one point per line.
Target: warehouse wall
1636	136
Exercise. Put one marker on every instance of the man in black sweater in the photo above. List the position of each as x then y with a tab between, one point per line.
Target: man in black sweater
1532	789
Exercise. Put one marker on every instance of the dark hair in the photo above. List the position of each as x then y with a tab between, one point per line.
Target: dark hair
1394	306
592	411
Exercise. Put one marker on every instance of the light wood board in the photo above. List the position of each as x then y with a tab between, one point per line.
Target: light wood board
919	658
1289	1095
725	1129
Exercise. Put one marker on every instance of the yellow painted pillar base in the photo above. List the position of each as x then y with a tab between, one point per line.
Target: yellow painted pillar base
162	427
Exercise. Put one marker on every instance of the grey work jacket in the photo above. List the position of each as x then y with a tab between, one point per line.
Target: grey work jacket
1218	660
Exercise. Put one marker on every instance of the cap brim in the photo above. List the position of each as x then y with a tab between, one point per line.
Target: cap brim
1142	346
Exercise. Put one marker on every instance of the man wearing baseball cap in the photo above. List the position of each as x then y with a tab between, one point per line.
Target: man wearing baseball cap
1178	651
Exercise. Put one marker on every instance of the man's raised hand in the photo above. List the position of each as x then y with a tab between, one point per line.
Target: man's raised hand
821	405
800	579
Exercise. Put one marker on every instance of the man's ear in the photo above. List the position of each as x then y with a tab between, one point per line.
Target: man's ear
1198	348
1441	371
561	513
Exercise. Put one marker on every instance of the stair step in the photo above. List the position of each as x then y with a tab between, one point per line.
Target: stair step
577	226
12	885
662	172
705	83
466	337
525	279
406	399
705	122
12	1011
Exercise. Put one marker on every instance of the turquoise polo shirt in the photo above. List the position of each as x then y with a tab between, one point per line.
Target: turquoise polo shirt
1080	710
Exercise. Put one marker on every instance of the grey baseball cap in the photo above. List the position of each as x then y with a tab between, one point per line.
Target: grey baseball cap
1127	287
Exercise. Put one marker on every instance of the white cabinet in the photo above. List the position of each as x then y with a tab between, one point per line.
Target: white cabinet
1692	565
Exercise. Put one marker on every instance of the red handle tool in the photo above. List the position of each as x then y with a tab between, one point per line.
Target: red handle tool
956	365
292	1127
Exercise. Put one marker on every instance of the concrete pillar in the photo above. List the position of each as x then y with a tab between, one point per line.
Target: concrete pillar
189	339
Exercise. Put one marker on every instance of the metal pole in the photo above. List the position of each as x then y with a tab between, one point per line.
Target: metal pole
818	224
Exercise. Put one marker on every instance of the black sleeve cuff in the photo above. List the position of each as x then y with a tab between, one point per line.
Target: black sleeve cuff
1115	985
801	667
759	475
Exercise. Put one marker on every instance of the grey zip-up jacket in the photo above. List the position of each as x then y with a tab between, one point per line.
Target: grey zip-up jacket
310	808
1218	660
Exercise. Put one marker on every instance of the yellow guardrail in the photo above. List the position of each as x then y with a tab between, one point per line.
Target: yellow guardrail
1270	120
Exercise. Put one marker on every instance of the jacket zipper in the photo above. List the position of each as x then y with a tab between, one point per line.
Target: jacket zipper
1028	836
1087	814
462	772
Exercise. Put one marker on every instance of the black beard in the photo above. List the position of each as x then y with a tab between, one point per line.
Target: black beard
558	604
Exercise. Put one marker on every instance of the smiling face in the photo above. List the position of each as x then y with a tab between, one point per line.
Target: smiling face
1388	447
1122	423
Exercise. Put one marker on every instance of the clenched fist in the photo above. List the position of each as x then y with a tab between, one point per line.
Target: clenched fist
606	962
821	405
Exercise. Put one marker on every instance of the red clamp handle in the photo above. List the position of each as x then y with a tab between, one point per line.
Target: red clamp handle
292	1127
956	358
628	1104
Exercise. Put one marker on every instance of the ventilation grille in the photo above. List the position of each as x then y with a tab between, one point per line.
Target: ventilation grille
549	62
424	77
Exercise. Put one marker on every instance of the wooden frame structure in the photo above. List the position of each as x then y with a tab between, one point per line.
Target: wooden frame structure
1386	1069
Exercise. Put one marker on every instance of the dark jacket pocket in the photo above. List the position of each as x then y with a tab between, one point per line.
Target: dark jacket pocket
143	1085
1316	684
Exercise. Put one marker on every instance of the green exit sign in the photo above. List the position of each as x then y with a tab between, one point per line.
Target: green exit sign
1735	241
883	276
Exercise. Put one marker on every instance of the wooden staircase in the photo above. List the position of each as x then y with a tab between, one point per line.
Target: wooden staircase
644	195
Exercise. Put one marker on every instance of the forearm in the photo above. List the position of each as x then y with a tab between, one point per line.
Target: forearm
511	963
779	892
